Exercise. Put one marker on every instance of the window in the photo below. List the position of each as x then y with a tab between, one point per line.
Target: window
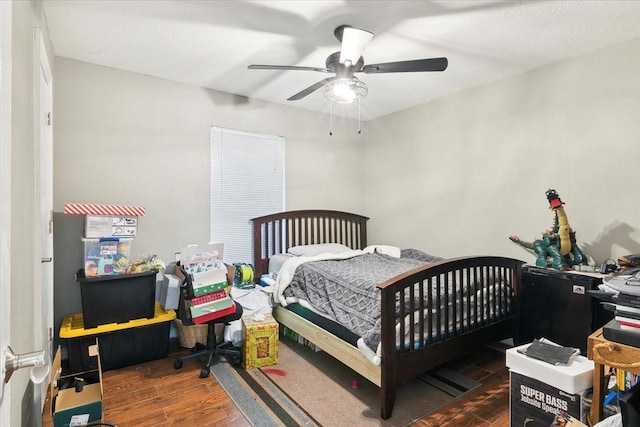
247	180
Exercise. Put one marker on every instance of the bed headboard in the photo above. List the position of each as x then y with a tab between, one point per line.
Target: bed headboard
275	233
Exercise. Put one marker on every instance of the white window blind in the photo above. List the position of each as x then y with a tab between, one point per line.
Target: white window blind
247	181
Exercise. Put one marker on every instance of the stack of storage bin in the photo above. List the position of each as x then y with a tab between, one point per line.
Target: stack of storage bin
118	309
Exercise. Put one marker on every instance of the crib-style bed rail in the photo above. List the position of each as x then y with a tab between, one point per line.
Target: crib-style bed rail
436	312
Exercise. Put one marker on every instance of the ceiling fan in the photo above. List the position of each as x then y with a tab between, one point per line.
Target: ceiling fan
344	86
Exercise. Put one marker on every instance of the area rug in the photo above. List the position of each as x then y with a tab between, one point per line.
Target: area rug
312	388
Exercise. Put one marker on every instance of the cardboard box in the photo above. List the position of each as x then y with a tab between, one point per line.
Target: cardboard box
76	398
541	403
541	392
213	305
199	284
110	226
260	341
170	291
572	378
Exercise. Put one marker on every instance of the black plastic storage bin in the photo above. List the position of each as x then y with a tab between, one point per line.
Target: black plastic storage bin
117	299
120	345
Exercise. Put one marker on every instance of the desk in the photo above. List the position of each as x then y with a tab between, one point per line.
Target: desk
604	352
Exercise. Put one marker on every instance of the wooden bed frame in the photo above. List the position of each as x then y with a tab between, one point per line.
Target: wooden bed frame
274	234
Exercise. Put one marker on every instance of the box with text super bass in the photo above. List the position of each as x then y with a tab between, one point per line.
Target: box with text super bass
540	403
260	341
541	392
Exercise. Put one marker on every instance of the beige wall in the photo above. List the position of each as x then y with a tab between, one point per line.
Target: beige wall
456	176
125	138
459	175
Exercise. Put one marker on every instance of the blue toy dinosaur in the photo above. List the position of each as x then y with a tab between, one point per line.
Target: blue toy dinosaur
557	248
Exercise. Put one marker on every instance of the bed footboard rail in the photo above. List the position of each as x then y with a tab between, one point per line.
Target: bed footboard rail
436	312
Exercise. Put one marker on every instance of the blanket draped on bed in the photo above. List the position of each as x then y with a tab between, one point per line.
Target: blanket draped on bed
344	286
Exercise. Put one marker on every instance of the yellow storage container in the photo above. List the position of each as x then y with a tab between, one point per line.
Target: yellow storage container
120	344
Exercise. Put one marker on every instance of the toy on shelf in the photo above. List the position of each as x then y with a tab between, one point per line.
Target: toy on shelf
557	248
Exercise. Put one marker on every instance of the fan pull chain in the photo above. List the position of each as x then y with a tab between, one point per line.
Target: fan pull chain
359	128
331	118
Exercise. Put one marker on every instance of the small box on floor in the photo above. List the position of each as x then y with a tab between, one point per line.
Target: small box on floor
76	397
541	392
260	341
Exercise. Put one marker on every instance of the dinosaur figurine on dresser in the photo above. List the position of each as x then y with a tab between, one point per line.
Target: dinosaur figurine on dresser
557	248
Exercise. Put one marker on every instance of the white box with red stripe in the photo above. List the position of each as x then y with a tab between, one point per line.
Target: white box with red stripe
97	226
107	220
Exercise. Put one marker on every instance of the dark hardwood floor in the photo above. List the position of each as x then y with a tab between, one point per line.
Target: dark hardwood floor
154	394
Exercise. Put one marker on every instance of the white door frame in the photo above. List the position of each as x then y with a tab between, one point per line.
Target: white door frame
5	199
43	202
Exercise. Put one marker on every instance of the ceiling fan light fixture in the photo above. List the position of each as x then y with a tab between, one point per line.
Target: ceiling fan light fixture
345	91
354	41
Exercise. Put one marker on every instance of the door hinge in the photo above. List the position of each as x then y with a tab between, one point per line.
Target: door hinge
50	333
49	118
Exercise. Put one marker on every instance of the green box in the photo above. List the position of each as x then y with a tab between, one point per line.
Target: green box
207	289
209	307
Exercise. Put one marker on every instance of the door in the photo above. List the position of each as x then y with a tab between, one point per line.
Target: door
43	123
5	198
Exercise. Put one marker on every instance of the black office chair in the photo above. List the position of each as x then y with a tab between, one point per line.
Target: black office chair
211	352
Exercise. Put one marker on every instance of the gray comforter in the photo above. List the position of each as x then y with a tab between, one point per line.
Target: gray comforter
345	290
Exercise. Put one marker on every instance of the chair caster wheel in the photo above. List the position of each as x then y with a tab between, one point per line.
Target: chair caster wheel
177	364
235	361
204	372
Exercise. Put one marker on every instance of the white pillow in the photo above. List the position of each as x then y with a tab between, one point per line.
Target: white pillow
313	250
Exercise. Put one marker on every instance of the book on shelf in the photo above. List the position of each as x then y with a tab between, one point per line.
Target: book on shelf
627	300
628	326
628	308
625	380
624	312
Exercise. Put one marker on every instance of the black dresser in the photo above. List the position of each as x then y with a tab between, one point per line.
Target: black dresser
556	305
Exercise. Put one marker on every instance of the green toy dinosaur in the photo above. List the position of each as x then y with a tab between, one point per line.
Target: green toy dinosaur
557	248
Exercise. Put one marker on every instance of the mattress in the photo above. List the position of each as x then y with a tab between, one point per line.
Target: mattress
325	323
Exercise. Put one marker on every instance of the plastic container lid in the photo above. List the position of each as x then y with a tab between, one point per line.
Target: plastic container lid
73	324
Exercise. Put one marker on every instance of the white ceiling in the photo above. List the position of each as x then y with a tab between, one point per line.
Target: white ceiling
211	43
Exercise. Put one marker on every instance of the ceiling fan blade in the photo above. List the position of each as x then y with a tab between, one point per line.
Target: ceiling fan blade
431	64
286	68
353	43
311	89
